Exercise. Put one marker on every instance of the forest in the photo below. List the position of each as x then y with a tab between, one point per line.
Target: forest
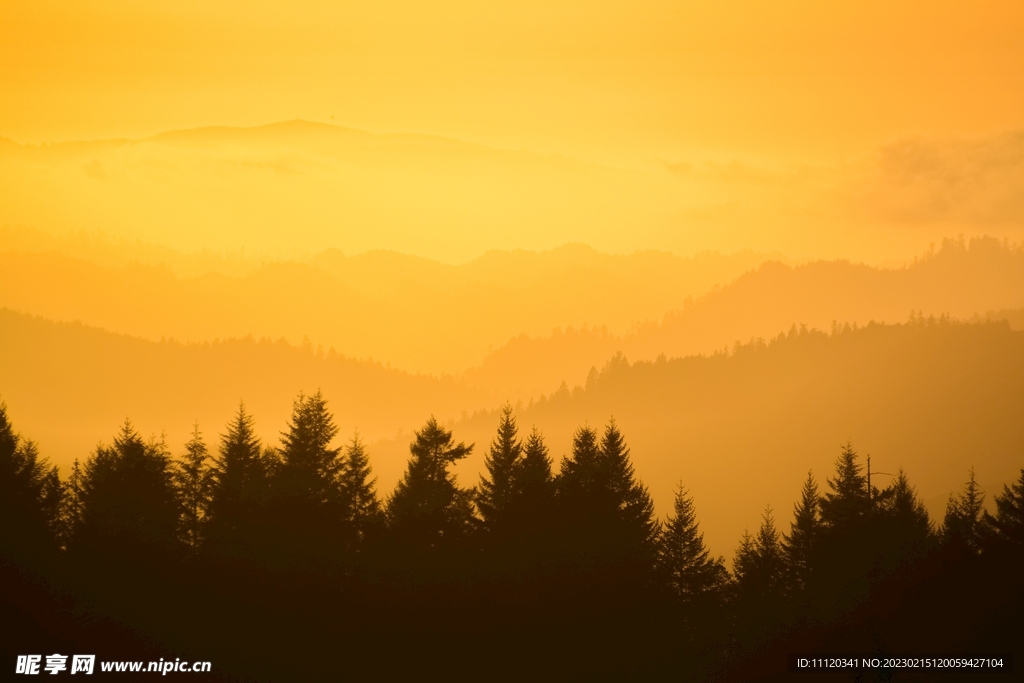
284	562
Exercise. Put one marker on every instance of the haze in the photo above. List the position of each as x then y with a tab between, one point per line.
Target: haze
429	209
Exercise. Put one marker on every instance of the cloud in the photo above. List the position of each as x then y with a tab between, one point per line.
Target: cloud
958	181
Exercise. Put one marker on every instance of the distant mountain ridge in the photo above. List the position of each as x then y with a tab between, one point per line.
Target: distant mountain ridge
963	279
414	312
933	396
739	428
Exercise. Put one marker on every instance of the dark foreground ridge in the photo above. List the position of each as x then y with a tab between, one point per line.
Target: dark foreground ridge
282	564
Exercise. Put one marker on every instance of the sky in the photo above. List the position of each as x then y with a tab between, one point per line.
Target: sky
780	126
599	80
790	130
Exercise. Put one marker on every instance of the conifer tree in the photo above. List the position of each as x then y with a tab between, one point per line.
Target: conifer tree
362	511
532	478
129	505
760	568
849	500
902	532
428	509
744	564
1007	525
309	466
29	496
801	543
580	478
240	483
901	507
194	478
71	505
964	515
610	515
496	490
634	502
685	562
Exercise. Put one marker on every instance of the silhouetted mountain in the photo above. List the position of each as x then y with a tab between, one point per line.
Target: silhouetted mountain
961	279
418	314
94	379
932	396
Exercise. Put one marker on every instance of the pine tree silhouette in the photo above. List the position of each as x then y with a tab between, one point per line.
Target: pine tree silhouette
129	506
532	478
801	543
241	480
610	527
760	561
849	500
71	505
1007	525
362	512
964	516
309	466
30	493
634	502
759	585
685	562
194	479
428	510
496	489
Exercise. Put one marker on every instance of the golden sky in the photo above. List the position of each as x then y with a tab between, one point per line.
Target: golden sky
819	130
593	79
807	130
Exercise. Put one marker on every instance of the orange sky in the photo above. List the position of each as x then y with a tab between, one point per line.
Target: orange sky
596	79
790	128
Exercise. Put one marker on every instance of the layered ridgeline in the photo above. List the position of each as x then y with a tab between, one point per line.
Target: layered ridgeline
980	279
933	396
514	324
415	313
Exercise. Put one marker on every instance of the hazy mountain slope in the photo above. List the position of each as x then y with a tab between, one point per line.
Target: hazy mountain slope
418	314
742	429
960	279
70	386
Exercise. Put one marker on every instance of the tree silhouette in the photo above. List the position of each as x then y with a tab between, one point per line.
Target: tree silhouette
849	500
633	500
361	509
129	507
964	516
532	478
760	583
531	509
30	493
309	466
240	475
71	505
496	490
1007	524
611	531
685	562
194	479
760	562
801	543
428	509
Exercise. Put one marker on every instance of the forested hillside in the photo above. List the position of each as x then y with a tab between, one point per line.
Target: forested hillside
959	279
550	567
415	313
933	396
94	378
